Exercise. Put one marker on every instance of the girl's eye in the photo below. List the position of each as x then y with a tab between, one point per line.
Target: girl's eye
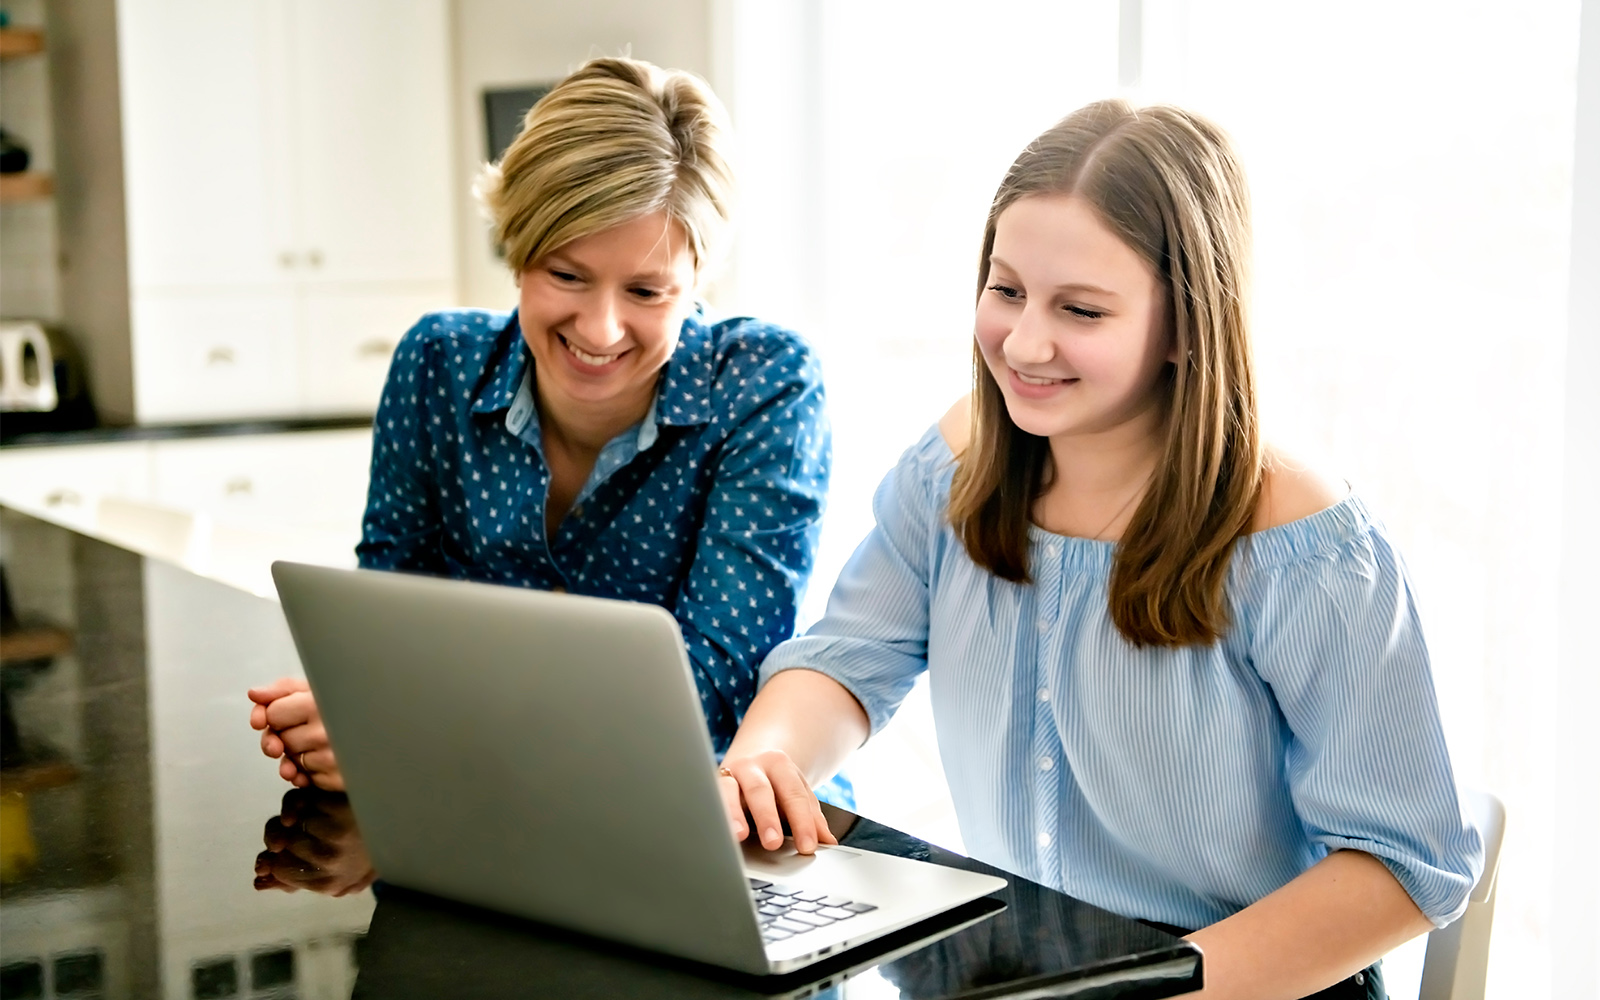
1005	291
1083	313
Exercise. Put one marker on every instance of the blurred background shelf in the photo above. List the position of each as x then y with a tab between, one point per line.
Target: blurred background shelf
20	42
23	779
29	185
27	644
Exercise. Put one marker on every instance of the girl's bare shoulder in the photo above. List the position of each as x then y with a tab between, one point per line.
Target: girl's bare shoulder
956	425
1291	490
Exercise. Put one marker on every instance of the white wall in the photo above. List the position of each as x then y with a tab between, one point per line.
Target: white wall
1574	867
507	43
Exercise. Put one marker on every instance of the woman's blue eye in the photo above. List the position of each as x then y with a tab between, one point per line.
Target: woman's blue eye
1005	290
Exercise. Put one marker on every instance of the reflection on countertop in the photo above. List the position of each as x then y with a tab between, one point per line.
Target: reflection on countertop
133	788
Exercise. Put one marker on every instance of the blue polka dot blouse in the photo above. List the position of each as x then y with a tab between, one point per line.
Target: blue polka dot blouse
710	507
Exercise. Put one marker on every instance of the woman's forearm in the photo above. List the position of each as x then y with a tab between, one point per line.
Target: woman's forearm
807	715
1339	916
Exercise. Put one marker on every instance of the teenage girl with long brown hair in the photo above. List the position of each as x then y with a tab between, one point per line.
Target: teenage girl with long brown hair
1173	673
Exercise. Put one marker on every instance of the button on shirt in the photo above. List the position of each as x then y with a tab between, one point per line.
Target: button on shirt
709	507
1175	785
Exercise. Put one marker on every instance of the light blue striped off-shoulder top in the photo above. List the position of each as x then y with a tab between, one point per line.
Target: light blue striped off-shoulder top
1176	785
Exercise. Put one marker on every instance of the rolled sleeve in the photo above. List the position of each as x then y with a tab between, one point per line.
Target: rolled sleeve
758	539
873	639
1341	647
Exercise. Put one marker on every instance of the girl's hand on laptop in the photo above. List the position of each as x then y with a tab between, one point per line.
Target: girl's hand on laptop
292	730
767	789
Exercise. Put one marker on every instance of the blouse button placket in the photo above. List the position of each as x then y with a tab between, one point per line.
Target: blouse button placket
1046	747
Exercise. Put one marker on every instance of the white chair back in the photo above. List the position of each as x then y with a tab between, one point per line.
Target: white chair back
1458	954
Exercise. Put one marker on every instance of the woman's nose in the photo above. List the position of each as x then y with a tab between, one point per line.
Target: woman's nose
599	324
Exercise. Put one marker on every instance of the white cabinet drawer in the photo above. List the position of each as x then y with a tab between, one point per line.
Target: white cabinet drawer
350	337
305	479
214	356
66	482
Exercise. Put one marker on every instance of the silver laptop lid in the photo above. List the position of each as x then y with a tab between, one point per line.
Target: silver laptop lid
534	753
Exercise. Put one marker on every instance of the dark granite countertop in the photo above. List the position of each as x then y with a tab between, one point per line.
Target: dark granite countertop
151	849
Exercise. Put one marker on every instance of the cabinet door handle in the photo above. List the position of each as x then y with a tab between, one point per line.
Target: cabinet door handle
286	259
377	347
219	356
314	258
62	498
238	486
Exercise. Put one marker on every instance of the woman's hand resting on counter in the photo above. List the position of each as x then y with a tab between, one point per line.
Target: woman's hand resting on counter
291	729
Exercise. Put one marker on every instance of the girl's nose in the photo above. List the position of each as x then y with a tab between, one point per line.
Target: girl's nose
1029	341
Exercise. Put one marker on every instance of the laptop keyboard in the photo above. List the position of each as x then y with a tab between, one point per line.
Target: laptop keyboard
786	910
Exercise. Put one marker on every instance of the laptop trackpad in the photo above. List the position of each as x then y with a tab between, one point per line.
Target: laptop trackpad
786	862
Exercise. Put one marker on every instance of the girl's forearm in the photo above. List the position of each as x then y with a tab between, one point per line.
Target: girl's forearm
807	715
1339	916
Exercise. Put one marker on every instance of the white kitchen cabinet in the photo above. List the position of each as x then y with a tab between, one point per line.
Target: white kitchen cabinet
287	166
347	338
308	479
67	483
203	144
202	354
372	141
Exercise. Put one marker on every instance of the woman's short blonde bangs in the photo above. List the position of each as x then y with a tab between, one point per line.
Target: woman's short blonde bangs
617	139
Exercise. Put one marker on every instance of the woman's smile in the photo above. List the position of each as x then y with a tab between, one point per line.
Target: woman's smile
595	364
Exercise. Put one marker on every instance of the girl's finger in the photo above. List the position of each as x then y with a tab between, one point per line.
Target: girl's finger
799	807
756	788
733	805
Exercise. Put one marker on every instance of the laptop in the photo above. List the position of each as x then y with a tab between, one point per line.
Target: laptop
544	755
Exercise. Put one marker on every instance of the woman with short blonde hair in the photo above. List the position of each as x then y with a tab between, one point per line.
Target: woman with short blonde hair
606	437
616	140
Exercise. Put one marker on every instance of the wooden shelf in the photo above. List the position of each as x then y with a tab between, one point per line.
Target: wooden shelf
38	643
29	185
26	778
20	42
